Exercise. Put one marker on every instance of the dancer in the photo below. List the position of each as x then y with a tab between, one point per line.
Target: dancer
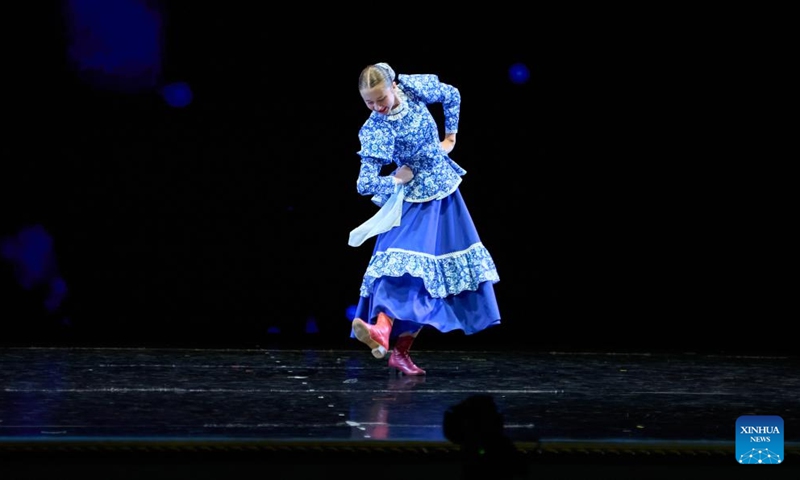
429	267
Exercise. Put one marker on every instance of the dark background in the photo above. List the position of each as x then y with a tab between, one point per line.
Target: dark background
629	192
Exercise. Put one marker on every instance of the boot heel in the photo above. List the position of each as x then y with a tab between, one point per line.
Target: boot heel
379	352
376	337
400	360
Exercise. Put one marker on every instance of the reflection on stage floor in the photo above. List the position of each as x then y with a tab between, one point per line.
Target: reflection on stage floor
546	403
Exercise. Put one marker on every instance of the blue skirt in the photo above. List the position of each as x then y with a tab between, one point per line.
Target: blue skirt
431	270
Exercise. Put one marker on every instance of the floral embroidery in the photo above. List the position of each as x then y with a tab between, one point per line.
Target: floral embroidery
443	275
409	136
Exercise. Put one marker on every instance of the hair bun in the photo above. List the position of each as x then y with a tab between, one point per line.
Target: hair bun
389	70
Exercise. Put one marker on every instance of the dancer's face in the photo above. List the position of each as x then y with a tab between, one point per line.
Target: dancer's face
381	98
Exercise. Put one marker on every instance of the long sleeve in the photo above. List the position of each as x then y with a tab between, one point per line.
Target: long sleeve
370	182
377	150
429	89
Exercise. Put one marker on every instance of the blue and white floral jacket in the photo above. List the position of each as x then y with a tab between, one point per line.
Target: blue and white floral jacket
409	135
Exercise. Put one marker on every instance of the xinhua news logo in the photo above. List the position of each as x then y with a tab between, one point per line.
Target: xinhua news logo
759	440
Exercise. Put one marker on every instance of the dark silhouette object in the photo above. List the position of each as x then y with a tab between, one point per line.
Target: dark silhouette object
478	428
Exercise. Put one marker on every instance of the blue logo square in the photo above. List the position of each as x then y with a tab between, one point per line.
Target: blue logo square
759	440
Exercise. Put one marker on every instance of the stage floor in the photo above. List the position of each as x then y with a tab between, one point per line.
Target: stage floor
298	407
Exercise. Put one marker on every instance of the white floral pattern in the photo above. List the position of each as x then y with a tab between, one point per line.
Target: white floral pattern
409	136
443	275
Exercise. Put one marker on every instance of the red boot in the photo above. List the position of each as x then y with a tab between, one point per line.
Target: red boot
400	358
375	336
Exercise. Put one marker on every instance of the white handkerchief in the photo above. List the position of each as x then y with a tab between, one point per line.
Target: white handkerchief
387	218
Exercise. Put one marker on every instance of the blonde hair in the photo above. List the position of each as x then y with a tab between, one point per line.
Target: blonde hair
374	75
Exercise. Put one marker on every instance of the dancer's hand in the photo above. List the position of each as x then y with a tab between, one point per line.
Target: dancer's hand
449	142
403	175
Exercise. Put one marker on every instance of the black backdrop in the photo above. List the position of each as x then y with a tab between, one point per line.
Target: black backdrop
608	187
